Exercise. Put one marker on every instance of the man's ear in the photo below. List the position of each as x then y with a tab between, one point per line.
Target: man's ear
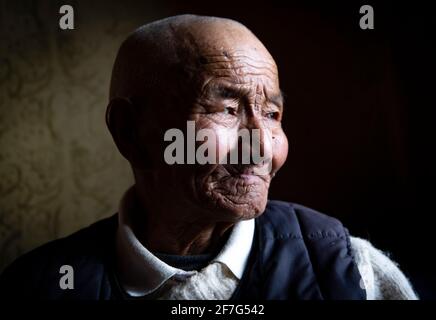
121	120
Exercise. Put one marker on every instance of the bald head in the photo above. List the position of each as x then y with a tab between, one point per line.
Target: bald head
176	48
217	74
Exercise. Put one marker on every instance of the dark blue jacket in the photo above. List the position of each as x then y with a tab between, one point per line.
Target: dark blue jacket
297	253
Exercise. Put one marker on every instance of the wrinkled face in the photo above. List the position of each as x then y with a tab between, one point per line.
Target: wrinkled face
239	90
232	85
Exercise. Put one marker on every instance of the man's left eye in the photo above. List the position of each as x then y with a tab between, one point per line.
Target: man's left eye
229	110
272	115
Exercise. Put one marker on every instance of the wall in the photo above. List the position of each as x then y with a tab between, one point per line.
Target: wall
59	169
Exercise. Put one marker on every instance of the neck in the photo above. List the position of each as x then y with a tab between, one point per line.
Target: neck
182	238
174	228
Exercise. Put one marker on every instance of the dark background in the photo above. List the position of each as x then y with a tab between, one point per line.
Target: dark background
359	113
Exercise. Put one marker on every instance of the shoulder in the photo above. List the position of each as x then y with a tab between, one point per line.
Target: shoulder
36	271
381	276
315	244
310	223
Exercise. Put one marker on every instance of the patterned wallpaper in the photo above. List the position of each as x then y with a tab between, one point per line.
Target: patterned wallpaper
59	169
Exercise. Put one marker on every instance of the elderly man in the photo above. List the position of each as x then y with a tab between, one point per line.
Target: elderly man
203	231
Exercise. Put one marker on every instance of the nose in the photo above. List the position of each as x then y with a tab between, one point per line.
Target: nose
256	147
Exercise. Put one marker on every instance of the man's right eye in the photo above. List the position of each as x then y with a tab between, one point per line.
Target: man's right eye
230	110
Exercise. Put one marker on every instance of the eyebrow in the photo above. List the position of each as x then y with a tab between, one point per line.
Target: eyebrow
278	99
226	91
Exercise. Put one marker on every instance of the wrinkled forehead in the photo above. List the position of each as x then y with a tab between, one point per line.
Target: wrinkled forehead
220	42
177	58
226	53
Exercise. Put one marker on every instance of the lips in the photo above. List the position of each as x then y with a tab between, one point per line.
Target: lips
249	178
237	189
242	180
261	170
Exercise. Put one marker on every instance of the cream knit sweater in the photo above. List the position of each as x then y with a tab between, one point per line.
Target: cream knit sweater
381	278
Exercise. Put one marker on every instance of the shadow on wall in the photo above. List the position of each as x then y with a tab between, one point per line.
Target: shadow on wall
59	169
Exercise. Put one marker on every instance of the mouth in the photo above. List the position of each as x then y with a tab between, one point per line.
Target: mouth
248	173
238	182
238	189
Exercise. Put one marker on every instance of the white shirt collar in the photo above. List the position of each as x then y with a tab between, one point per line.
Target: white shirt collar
140	272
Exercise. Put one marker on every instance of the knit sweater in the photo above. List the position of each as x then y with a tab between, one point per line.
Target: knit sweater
381	278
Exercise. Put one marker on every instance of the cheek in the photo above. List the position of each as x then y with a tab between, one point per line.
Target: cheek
280	150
